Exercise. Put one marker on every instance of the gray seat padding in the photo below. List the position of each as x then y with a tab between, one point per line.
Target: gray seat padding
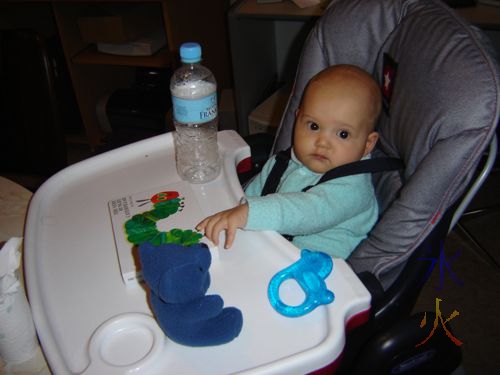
442	112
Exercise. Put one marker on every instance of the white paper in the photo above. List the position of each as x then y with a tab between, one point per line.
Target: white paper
17	332
10	258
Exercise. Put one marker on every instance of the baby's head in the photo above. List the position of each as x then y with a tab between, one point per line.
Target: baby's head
335	120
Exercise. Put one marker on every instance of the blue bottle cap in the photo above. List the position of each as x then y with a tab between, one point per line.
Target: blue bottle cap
190	52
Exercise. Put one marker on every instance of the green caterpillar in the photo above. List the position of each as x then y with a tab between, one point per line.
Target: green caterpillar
142	228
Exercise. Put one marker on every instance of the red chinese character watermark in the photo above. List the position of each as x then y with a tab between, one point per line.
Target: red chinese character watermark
438	315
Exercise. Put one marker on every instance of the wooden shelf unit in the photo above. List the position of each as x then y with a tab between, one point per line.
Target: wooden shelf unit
91	56
94	74
266	40
286	9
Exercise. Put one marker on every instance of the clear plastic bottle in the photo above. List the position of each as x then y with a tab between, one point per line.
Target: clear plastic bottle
194	98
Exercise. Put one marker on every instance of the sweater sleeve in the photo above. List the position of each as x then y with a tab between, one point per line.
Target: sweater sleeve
320	208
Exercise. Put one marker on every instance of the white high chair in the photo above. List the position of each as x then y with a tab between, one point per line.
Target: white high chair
93	318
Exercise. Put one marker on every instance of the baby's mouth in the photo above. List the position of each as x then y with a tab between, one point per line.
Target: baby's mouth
319	157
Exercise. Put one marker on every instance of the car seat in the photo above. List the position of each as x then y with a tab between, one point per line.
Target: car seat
440	85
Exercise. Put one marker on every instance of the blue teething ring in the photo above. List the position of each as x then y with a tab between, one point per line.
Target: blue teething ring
310	272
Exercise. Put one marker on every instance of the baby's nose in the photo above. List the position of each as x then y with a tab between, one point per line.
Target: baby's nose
322	141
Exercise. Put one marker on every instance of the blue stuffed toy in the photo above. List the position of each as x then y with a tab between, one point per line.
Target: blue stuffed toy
178	279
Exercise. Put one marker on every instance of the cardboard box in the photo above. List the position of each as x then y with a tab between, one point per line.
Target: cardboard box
266	117
144	46
118	26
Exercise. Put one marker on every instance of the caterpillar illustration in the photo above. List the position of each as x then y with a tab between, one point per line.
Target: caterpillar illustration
142	227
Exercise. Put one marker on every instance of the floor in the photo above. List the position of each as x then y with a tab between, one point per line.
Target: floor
474	292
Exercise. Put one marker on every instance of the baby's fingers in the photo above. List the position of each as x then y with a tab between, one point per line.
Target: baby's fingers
206	227
230	235
200	227
220	226
213	228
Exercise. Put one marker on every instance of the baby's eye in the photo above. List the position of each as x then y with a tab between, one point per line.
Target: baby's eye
313	126
344	134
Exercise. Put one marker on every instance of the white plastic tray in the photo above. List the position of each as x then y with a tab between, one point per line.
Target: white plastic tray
89	321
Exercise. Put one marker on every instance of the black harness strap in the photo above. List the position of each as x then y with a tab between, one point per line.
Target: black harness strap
358	167
279	167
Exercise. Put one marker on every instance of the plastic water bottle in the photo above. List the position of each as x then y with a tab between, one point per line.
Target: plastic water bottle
194	98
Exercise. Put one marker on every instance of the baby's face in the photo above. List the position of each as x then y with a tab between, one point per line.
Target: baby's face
333	126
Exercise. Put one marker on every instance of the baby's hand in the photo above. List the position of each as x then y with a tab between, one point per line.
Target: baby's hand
228	220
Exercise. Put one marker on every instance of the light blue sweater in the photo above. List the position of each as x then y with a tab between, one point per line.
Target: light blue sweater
332	217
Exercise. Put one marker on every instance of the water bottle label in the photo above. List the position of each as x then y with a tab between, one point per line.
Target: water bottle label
195	110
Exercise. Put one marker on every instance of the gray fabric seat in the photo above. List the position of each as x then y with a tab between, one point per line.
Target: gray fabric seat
440	111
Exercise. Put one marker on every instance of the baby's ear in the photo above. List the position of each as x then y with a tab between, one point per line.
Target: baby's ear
371	141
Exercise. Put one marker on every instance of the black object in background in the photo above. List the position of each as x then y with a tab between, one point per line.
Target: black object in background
140	111
32	139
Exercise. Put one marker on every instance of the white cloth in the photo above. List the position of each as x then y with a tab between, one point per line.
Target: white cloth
14	201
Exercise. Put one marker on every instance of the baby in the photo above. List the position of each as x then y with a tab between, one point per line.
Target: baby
334	126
